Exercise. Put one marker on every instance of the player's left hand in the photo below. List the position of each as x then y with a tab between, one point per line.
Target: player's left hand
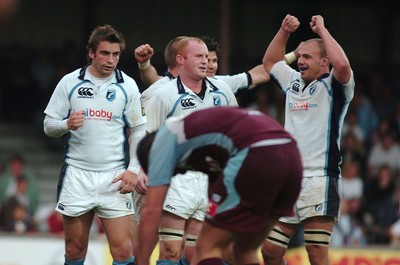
317	24
128	181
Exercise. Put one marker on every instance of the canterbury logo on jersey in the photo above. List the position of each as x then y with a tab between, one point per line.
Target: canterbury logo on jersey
85	92
296	87
188	103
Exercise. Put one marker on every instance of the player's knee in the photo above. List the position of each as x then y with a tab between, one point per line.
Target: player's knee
75	251
122	250
275	246
170	253
190	240
272	254
317	243
170	243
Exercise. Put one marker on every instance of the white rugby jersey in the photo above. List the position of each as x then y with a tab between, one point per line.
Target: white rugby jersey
146	95
314	115
174	98
99	144
235	82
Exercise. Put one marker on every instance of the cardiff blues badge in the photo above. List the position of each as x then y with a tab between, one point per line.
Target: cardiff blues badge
110	95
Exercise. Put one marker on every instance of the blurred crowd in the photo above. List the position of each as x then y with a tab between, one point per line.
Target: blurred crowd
370	144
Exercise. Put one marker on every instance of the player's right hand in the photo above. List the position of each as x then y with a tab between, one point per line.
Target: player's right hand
143	53
76	120
290	24
141	187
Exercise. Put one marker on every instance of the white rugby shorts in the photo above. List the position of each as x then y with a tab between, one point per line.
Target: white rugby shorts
84	190
319	196
187	195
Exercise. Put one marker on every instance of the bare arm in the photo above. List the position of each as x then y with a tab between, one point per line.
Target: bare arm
276	49
336	55
258	75
150	216
148	74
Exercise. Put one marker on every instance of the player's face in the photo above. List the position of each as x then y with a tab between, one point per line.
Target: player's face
212	65
310	63
195	63
105	59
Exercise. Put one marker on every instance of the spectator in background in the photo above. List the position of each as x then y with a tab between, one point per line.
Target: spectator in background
394	234
353	184
349	230
386	151
55	223
367	118
351	125
9	182
379	205
263	103
15	212
353	150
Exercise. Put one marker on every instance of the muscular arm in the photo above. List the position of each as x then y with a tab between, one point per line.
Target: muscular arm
336	55
148	74
150	216
258	76
276	49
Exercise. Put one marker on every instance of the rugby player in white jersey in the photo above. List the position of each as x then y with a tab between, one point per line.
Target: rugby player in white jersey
186	202
94	105
317	99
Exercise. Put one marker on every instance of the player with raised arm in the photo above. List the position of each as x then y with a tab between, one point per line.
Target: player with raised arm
317	99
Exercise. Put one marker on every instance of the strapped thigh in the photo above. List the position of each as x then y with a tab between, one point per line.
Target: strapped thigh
277	237
168	234
190	240
318	237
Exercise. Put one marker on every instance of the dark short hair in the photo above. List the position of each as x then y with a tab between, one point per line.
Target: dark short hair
212	44
143	150
105	33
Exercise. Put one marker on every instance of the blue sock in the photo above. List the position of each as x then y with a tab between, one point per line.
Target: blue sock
183	261
124	262
74	262
166	262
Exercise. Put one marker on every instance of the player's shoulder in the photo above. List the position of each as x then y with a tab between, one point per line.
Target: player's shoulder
125	81
165	87
72	76
122	77
228	78
220	85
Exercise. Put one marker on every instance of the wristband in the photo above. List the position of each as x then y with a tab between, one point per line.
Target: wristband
144	65
290	57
